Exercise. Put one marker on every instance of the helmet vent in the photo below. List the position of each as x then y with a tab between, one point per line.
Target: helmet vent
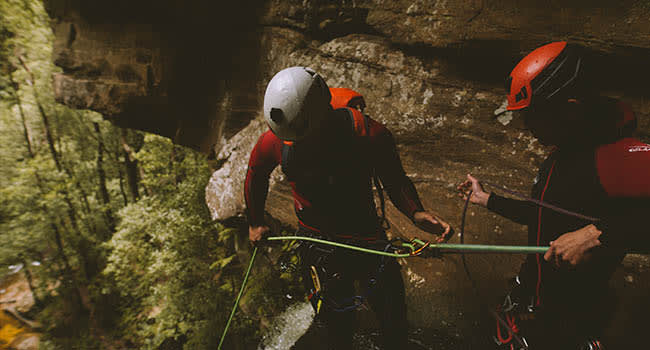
559	74
277	116
310	71
522	95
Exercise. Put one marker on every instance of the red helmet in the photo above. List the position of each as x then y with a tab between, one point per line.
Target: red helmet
343	97
543	74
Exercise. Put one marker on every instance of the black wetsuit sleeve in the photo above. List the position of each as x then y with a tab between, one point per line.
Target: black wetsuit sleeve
406	199
388	165
521	212
262	161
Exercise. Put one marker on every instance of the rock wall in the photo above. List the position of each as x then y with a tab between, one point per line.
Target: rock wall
432	71
168	67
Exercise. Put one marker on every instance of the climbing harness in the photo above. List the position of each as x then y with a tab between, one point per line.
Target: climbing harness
318	297
317	288
403	249
400	248
509	322
592	344
507	315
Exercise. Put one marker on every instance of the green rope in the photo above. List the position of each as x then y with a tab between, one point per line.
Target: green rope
340	245
484	248
444	247
241	291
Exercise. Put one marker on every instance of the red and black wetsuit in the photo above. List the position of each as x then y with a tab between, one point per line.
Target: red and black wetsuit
330	176
605	174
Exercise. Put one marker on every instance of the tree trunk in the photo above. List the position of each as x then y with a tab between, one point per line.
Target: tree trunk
26	133
30	284
133	171
50	142
121	175
67	269
68	272
39	182
108	214
46	122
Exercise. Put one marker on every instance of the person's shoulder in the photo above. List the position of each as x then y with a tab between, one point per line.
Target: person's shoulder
268	137
624	150
268	133
624	167
377	128
268	145
362	124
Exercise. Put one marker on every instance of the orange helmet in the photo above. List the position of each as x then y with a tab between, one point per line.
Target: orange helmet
543	74
343	97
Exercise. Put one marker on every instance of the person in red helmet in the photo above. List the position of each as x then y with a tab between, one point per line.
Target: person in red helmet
597	170
344	97
330	154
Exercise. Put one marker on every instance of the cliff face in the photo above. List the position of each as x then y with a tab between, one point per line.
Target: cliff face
432	71
169	67
185	70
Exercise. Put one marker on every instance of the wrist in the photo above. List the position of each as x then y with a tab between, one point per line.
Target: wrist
482	198
414	215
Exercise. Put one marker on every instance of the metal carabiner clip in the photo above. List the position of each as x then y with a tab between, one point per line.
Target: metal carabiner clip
419	251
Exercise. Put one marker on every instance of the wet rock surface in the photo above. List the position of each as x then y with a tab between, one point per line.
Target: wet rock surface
15	299
15	293
225	191
432	71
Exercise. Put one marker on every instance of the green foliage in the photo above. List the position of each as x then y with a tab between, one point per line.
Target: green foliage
51	213
118	269
163	250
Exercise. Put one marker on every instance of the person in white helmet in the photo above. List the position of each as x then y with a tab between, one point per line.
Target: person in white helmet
330	157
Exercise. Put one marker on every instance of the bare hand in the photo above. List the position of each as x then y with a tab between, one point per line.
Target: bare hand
430	222
256	233
479	196
573	247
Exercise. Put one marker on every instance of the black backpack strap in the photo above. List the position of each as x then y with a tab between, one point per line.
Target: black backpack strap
366	124
380	190
351	119
286	154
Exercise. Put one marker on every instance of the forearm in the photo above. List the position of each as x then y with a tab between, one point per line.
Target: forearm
255	189
264	158
405	197
388	165
521	212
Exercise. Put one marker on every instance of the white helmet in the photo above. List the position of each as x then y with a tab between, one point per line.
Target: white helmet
296	101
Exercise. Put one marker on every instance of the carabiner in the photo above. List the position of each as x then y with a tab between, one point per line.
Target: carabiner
421	249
